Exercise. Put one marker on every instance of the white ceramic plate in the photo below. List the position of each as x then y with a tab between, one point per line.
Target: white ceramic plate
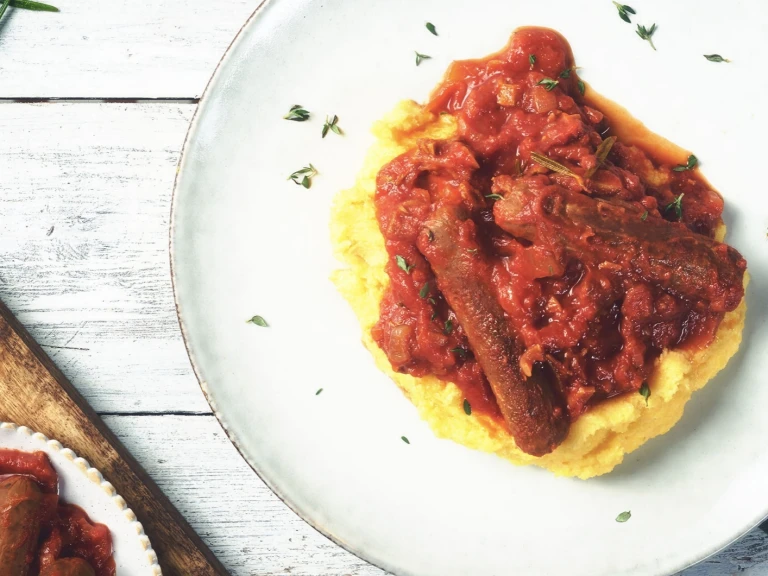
245	241
85	486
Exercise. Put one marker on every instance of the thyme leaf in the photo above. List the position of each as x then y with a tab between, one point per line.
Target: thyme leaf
676	205
332	124
624	12
304	176
689	165
715	58
297	114
548	83
647	33
421	57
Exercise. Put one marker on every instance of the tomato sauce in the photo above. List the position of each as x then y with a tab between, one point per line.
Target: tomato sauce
65	530
597	270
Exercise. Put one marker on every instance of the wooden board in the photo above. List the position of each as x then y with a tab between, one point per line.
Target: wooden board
35	394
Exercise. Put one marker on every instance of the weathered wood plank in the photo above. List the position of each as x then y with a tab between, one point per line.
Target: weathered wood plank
244	524
85	195
117	48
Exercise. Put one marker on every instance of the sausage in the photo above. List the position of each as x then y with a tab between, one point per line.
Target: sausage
34	464
69	567
20	509
533	409
596	231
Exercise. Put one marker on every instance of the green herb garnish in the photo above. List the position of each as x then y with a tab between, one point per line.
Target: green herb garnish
297	114
424	290
421	57
404	439
555	166
448	327
645	392
689	165
403	265
432	301
644	216
36	6
624	11
467	407
258	320
582	87
548	83
676	205
565	73
431	28
304	176
715	58
647	33
4	7
319	390
494	196
624	516
332	125
532	60
459	351
602	154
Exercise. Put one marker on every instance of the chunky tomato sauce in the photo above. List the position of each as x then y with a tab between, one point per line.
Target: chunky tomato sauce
63	530
596	270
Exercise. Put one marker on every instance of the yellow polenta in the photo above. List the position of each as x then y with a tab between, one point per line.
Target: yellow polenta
599	439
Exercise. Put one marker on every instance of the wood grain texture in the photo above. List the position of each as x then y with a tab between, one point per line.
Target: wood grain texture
117	48
96	292
242	521
36	394
85	194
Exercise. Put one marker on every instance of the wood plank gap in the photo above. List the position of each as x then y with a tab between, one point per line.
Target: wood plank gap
121	100
160	413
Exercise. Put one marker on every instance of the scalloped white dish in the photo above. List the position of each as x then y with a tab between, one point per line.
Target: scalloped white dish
246	241
85	487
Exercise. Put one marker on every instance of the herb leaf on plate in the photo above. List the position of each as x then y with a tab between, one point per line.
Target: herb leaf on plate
624	12
647	33
715	58
258	321
548	83
304	176
421	57
624	516
676	205
403	264
431	28
332	124
689	165
297	113
645	392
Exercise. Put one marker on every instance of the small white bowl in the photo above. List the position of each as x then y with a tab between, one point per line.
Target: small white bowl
85	487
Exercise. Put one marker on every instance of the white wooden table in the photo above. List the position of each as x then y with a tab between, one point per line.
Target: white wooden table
94	106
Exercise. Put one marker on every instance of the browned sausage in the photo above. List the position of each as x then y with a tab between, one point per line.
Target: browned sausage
532	408
20	503
596	231
69	567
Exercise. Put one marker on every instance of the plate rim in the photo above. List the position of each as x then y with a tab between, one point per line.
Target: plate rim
349	547
193	125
